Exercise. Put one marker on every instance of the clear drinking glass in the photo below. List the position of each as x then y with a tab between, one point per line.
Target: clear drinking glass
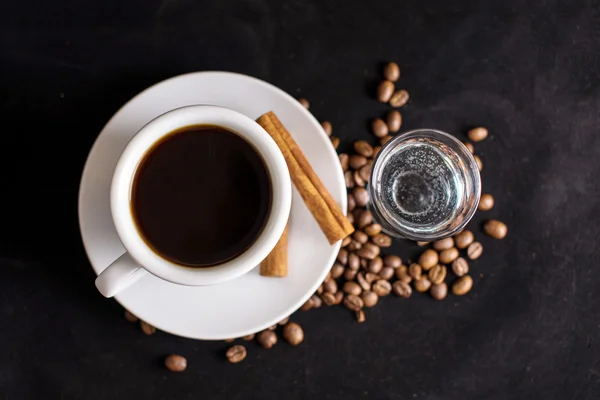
424	186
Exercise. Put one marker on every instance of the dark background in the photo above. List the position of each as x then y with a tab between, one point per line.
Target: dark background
529	72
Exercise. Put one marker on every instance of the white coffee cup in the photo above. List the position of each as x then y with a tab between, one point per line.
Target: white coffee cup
139	259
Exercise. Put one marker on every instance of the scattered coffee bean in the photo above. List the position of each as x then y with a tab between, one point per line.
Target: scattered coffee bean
376	151
316	301
361	195
344	161
267	339
381	288
356	161
477	134
175	363
346	241
349	178
386	273
231	340
330	286
349	274
273	327
342	257
422	285
486	202
415	271
304	103
479	163
392	261
394	120
376	265
462	285
365	172
385	91
293	333
379	127
372	277
339	297
402	289
147	328
351	203
360	236
444	244
463	239
249	337
353	263
363	148
391	71
364	218
364	263
350	218
439	292
236	353
369	298
362	281
402	274
428	259
335	141
358	180
460	267
474	250
495	229
284	321
399	98
326	125
352	288
373	229
437	274
328	299
353	302
307	306
422	244
469	147
354	245
449	255
369	251
130	317
385	139
382	240
360	316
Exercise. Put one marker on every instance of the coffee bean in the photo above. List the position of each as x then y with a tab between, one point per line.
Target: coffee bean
267	339
350	217
477	134
304	103
364	263
369	251
474	250
391	71
399	98
344	161
320	289
422	244
130	317
394	120
365	172
316	301
349	274
444	244
362	281
339	297
307	306
357	212
422	285
415	271
326	125
495	229
385	139
372	229
381	288
385	91
342	257
449	255
328	299
354	245
382	240
360	236
439	292
386	273
363	148
351	202
361	195
349	179
330	286
353	302
358	180
428	259
402	274
335	141
375	151
249	337
147	328
469	147
372	277
463	239
365	218
175	363
353	263
352	288
360	316
402	289
460	267
479	163
380	128
376	265
392	261
236	353
462	285
369	298
486	202
284	321
346	241
273	327
356	161
437	274
293	333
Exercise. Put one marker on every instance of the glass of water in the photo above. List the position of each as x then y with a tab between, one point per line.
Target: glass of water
424	186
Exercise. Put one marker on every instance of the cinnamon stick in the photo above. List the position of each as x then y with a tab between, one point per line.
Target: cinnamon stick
322	206
276	263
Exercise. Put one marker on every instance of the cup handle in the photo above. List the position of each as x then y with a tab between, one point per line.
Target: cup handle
119	275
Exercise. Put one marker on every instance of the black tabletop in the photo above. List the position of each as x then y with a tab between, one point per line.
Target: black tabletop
529	71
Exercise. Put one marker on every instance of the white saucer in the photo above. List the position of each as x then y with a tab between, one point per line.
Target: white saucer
250	303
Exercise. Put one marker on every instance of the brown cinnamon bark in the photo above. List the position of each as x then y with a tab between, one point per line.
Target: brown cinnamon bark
276	264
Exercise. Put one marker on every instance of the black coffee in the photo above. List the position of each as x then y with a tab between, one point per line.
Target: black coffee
201	196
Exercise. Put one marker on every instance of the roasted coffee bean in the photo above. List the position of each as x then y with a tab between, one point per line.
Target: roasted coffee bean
236	353
372	277
360	316
365	218
249	337
293	333
316	301
354	245
362	281
353	302
364	263
477	134
307	306
349	179
351	202
147	328
437	274
372	229
365	172
428	259
330	286
381	288
360	236
339	297
352	288
385	91
375	151
130	317
267	339
356	161
422	285
382	240
402	274
379	127
363	148
495	229
304	103
402	289
175	363
346	241
369	298
229	340
342	257
479	163
392	261
358	180
399	98
474	250
460	267
391	71
369	251
353	263
385	139
386	273
320	289
376	265
350	218
415	271
449	255
394	120
422	244
439	292
284	321
444	244
361	195
335	141
328	299
462	285
463	239
326	125
486	202
344	161
469	147
273	327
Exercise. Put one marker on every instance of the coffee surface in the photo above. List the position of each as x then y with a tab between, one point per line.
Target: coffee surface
201	196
